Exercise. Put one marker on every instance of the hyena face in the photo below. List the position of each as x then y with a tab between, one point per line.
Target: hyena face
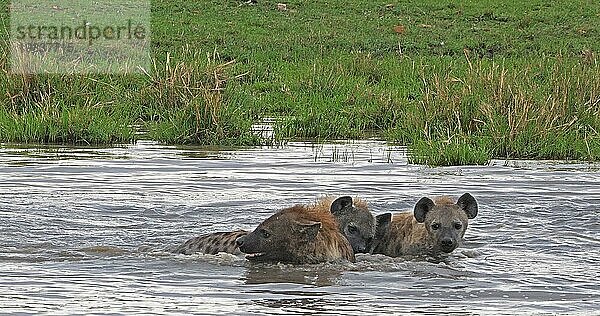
355	222
278	238
446	222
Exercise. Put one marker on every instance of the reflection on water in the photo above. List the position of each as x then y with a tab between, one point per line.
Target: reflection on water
317	275
86	229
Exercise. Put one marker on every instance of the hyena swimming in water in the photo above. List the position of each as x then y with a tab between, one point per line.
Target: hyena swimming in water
298	234
433	228
353	217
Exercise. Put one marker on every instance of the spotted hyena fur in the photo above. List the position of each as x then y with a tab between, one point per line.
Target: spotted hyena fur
353	217
213	243
299	234
355	221
433	228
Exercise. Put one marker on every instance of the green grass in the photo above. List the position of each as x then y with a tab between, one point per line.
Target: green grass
462	84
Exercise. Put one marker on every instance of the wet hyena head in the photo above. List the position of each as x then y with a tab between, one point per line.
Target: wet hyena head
281	237
445	220
355	221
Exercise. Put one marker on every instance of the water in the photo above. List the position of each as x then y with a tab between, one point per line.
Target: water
88	231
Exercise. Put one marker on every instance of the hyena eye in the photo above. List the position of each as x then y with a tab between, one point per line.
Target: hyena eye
265	234
435	226
352	230
457	226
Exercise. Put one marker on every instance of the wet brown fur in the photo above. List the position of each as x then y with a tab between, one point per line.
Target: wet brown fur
355	220
406	236
328	245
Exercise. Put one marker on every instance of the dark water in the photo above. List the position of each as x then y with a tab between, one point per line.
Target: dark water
88	231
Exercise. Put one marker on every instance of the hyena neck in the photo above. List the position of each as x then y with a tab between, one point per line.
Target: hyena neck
418	240
332	247
330	244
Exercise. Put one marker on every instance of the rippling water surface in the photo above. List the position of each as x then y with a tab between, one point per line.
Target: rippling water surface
89	231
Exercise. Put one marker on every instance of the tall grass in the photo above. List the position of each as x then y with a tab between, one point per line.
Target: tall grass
188	102
534	109
449	110
59	109
178	102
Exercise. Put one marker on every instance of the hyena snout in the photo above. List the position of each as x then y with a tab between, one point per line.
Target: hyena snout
359	245
243	244
448	244
362	248
240	241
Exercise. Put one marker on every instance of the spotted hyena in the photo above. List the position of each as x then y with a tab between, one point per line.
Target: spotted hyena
355	221
353	217
299	234
435	227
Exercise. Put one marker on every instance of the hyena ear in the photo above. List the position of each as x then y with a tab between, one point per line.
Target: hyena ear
340	203
468	204
422	207
309	230
382	223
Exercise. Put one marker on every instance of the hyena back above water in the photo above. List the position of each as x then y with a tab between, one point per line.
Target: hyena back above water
213	243
433	228
299	234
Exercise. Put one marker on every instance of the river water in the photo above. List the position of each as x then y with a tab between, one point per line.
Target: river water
89	231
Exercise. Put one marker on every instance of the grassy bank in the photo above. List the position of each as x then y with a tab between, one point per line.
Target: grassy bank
458	83
177	102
